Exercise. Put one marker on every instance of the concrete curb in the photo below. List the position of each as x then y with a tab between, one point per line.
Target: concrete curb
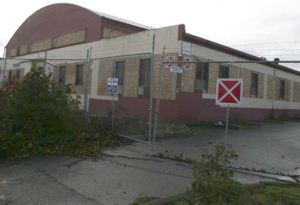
282	178
166	200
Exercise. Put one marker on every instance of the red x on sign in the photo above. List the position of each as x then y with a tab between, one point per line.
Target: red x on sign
229	91
187	62
170	61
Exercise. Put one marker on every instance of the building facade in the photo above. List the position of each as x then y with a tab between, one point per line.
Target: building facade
133	53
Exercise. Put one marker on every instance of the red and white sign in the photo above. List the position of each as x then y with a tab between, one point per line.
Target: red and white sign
170	61
187	62
229	91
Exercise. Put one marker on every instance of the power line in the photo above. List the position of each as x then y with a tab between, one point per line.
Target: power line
266	43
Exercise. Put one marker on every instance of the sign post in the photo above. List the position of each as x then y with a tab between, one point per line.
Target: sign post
112	87
229	94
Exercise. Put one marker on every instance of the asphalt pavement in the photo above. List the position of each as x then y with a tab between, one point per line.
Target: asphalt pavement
122	174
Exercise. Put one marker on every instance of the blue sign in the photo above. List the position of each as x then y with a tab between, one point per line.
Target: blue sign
112	85
112	88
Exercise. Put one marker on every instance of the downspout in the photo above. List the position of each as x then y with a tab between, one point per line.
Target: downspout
274	86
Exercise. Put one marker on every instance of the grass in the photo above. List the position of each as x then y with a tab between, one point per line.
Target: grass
258	194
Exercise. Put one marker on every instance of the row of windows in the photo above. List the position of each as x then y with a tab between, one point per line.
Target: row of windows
78	74
119	72
202	76
144	72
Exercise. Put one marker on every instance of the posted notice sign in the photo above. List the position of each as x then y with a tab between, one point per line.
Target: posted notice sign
112	85
229	91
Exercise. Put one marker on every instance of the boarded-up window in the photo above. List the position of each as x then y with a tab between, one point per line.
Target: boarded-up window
201	76
119	73
281	89
145	72
62	74
79	74
254	85
223	71
18	75
10	76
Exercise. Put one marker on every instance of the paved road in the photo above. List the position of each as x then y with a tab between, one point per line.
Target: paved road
128	172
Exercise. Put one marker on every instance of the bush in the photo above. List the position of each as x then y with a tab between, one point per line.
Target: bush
213	180
39	116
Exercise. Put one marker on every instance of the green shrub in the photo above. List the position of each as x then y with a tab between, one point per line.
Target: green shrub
39	116
213	182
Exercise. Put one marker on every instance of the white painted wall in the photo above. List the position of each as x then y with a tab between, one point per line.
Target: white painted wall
133	44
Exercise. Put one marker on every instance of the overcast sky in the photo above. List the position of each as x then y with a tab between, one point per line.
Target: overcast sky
268	28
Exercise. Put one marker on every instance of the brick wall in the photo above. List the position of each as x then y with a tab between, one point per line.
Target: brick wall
212	77
189	78
296	92
105	71
246	75
261	85
234	71
270	86
131	77
168	84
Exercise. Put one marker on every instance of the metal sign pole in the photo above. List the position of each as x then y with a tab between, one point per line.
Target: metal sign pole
227	125
150	94
113	113
113	102
157	102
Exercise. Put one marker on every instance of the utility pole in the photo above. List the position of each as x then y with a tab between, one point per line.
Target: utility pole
86	77
150	92
4	69
45	61
157	109
113	102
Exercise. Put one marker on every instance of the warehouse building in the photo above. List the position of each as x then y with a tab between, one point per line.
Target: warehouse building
84	48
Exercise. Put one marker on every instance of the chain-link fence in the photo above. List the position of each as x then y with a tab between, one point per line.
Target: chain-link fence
263	127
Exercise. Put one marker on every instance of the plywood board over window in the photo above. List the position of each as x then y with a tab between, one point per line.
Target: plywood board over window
282	89
70	75
40	45
131	77
105	71
245	74
202	72
15	74
69	39
13	52
24	49
111	33
189	78
119	73
296	91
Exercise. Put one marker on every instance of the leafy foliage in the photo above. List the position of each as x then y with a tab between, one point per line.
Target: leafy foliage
39	107
39	116
213	180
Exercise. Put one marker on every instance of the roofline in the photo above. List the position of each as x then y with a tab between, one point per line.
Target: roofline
131	23
216	46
